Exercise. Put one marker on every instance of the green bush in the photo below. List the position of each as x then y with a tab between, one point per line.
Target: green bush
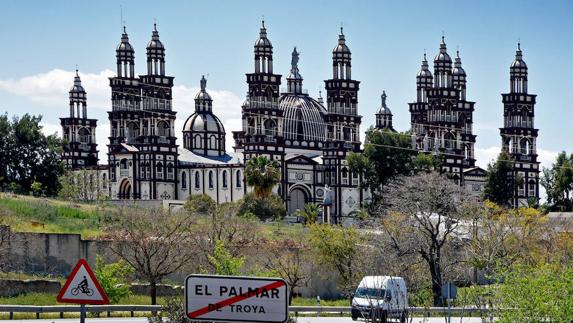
113	279
201	204
271	207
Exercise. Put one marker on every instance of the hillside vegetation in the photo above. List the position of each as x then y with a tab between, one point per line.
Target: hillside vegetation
31	214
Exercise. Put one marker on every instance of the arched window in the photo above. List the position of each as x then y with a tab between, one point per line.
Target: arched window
198	142
160	170
85	136
251	126
163	129
213	143
449	141
270	128
239	180
211	179
197	180
170	173
224	179
123	164
183	180
104	180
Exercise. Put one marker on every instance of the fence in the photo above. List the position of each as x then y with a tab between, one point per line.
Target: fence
132	309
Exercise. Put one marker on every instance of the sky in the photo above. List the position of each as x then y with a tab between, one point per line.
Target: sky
42	41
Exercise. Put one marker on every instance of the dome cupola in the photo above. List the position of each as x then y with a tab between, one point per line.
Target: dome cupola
203	132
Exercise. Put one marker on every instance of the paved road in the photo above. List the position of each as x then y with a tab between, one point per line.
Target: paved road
300	320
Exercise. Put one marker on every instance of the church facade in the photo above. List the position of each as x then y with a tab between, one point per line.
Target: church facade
309	137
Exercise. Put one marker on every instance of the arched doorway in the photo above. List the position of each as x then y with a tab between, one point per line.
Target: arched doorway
298	197
124	190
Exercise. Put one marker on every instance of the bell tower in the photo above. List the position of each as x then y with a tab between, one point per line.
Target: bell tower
518	135
79	132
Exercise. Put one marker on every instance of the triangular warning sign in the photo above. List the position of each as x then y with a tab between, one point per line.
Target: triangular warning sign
82	287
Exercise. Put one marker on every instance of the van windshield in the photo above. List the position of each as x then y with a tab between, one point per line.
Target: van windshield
364	292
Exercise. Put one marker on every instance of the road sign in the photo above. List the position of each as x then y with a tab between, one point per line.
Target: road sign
82	287
237	299
449	291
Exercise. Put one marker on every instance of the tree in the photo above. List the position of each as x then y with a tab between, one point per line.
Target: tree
201	204
535	293
500	181
154	242
558	183
224	262
263	174
113	278
82	185
264	208
289	259
309	213
223	227
422	215
338	248
28	156
388	154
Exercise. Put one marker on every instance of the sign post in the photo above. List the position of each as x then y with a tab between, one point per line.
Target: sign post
82	288
449	292
236	299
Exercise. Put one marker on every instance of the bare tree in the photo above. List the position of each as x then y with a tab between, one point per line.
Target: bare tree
426	215
288	259
154	242
222	224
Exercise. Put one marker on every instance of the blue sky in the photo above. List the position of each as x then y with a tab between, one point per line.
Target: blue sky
43	40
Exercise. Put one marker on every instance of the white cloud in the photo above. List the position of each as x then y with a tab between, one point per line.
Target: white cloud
52	88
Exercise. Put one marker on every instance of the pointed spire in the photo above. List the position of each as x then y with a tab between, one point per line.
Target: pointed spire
443	47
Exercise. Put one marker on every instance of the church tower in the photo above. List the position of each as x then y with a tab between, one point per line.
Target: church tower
384	115
518	135
343	121
441	116
343	128
79	132
142	151
261	115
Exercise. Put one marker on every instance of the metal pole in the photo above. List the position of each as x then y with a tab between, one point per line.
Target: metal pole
449	308
82	313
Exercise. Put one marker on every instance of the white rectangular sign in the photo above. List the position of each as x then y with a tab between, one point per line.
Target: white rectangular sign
237	299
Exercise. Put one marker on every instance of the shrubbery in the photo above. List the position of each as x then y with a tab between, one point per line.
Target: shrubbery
267	208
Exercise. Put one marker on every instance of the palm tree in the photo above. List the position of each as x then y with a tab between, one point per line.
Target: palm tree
263	174
309	213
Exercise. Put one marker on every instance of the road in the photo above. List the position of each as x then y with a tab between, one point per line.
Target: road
299	320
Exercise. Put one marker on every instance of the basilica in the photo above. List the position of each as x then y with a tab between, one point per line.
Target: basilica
309	137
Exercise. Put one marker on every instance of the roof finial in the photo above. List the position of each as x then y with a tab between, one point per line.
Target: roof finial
341	28
425	55
124	30
77	70
154	24
383	96
203	83
519	43
443	37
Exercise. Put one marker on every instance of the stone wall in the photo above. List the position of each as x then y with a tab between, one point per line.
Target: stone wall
10	287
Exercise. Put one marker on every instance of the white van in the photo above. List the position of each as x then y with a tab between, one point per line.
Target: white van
383	296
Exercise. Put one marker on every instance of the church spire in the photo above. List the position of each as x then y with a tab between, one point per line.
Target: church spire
78	101
155	54
518	73
125	56
203	101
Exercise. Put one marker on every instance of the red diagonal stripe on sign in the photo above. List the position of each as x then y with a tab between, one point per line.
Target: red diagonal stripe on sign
234	300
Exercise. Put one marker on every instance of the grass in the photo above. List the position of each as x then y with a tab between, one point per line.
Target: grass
29	214
309	301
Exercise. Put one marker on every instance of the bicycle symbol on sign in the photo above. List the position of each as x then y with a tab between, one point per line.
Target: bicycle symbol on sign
83	287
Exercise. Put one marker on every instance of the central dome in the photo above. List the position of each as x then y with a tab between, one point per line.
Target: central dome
303	118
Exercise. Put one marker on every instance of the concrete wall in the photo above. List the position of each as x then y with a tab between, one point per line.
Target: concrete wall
51	253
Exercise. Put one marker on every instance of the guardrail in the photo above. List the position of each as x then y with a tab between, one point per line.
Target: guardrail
132	309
